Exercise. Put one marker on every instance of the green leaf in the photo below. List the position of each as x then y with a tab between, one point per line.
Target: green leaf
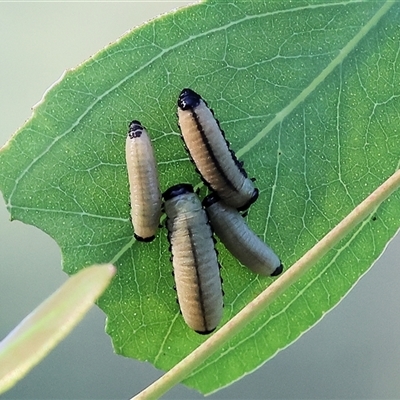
308	96
50	322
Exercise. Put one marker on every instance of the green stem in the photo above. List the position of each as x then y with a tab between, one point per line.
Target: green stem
259	304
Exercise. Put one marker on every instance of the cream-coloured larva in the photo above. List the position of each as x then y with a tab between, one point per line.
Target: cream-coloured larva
194	259
239	239
144	186
217	164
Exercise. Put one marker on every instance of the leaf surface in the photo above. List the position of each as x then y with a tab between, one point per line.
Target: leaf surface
308	95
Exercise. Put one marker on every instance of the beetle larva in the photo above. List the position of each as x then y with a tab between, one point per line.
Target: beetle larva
209	150
194	259
145	194
239	239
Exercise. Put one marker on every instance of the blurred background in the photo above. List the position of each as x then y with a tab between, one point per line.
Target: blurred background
353	353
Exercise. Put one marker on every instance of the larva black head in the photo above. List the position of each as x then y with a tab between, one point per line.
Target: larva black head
188	99
278	270
209	200
135	129
253	198
177	190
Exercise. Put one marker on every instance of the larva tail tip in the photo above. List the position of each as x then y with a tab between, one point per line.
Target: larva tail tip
144	239
205	332
278	270
252	199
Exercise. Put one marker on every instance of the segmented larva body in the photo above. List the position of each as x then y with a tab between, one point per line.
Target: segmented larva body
239	239
208	148
145	194
194	259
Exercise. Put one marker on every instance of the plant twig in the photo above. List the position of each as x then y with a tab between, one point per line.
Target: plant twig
38	333
181	370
